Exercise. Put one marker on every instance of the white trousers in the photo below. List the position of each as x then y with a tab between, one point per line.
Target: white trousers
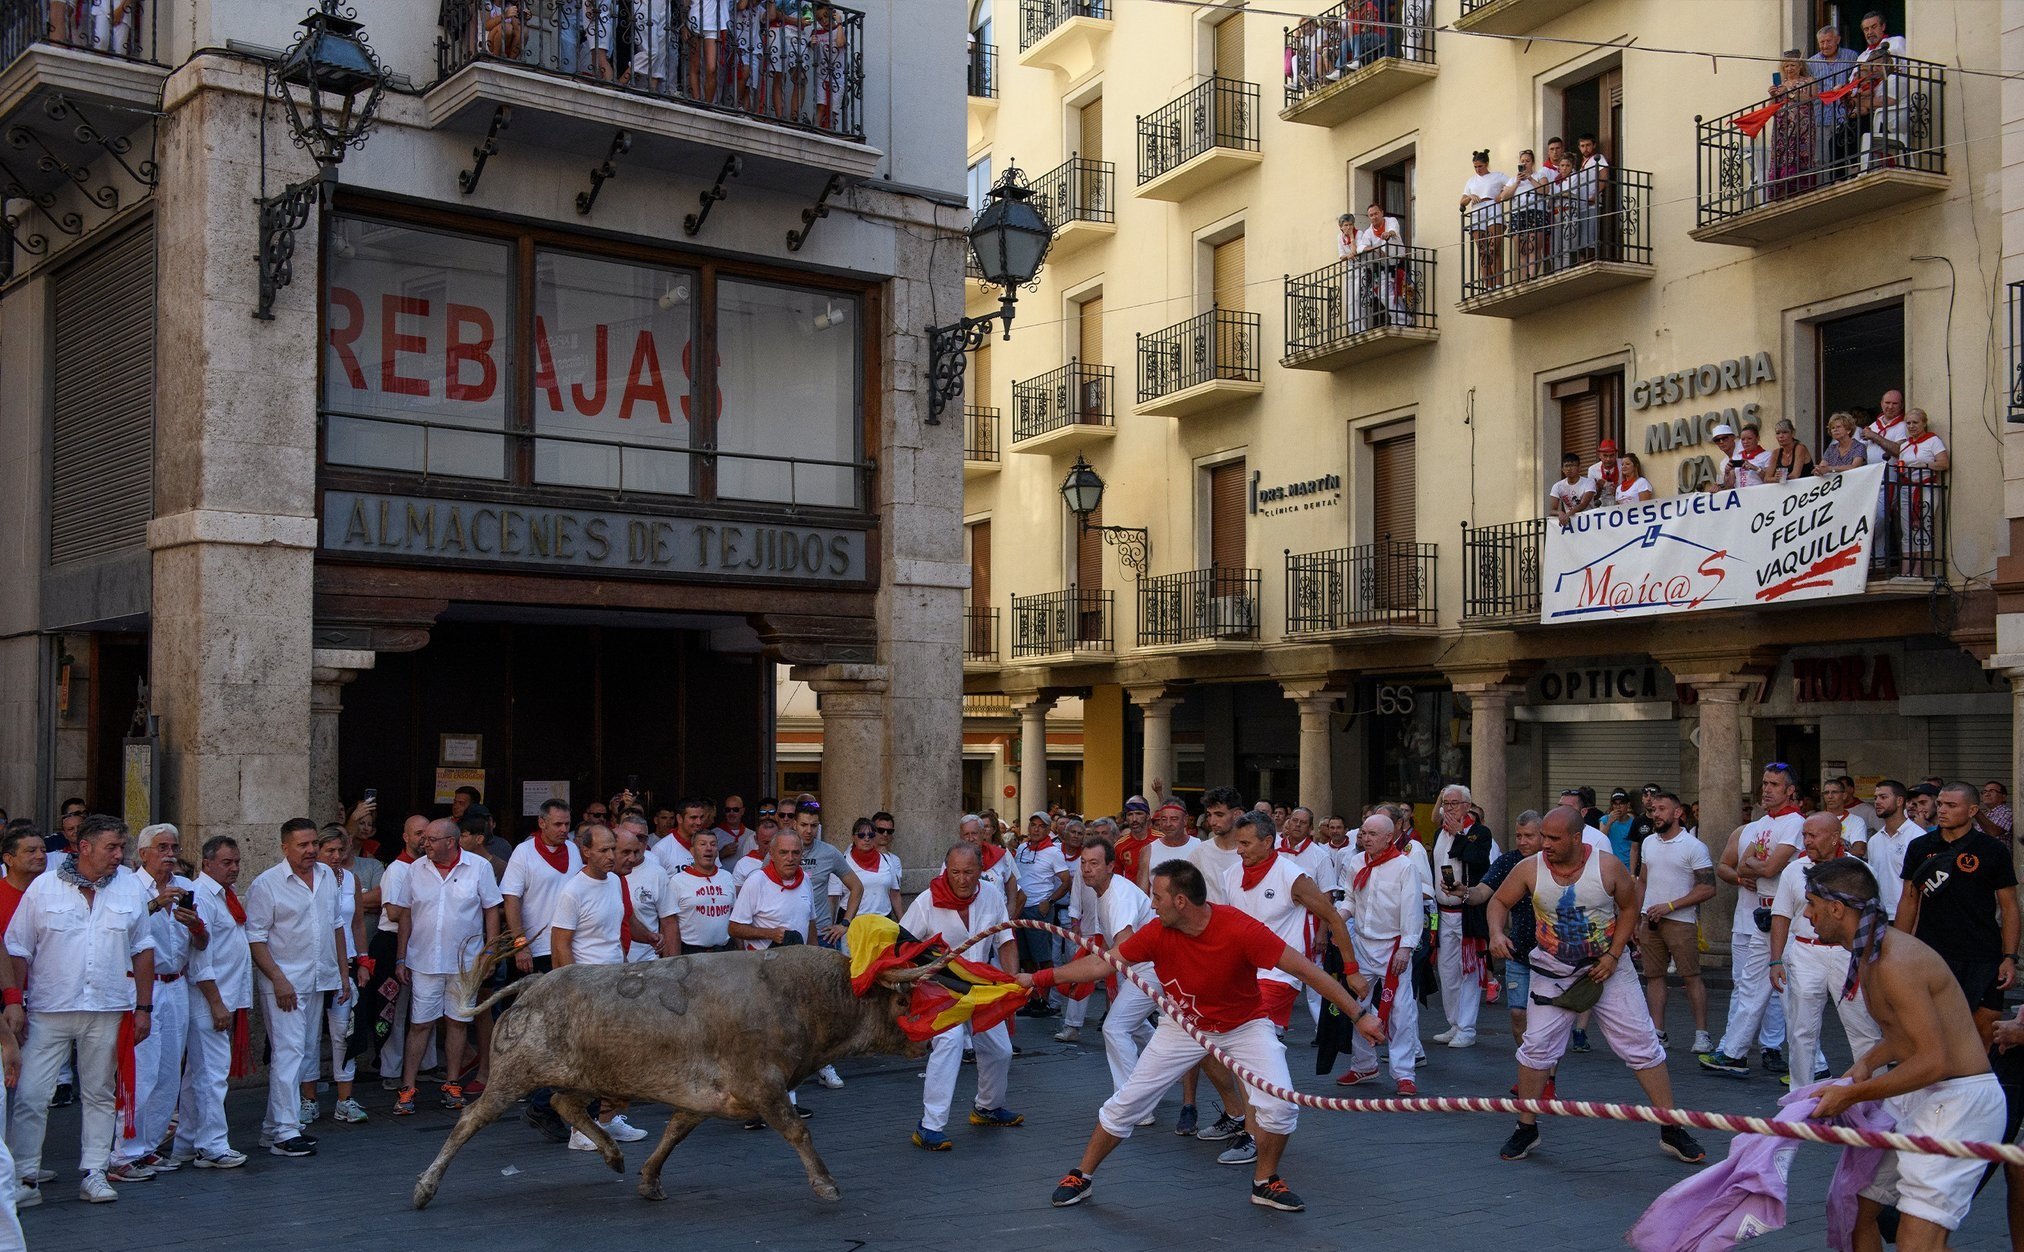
1125	1030
394	1048
1813	977
1751	1003
50	1036
1403	1030
337	1023
945	1061
1461	992
292	1040
200	1108
10	1223
1622	1014
1173	1052
158	1070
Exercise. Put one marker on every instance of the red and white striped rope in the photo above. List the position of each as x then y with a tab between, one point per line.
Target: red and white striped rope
1809	1132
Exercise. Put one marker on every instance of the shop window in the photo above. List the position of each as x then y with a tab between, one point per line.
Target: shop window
787	387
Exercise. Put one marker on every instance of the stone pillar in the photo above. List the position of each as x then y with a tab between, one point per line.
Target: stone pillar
1032	712
854	753
2011	666
1316	703
1157	761
330	670
1718	784
1489	722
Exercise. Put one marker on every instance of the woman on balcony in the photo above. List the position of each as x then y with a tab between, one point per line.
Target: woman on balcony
1922	459
1484	218
1529	214
504	35
1790	459
1591	191
1633	485
1795	136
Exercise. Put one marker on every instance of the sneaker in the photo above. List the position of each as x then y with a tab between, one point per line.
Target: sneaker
390	1084
28	1195
1242	1151
1150	1119
1408	1088
473	1088
932	1140
1462	1041
547	1121
350	1111
580	1142
1822	1074
1225	1127
1073	1189
1580	1041
1520	1144
1677	1142
452	1096
1068	1034
65	1096
95	1189
127	1171
1772	1060
161	1164
1274	1194
803	1113
1039	1010
268	1141
1186	1124
1445	1035
228	1159
970	1056
44	1175
1663	1041
624	1131
1351	1077
754	1123
1000	1116
309	1112
1702	1043
404	1103
1720	1063
298	1146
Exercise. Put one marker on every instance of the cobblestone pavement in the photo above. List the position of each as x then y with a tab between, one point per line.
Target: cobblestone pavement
1393	1181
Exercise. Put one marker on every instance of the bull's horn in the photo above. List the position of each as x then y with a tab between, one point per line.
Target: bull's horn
907	977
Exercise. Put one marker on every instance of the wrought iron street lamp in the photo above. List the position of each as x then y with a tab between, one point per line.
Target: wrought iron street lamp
1009	240
1082	492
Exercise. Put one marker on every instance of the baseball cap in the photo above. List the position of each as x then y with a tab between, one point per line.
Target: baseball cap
1618	794
1924	789
1721	428
1606	445
1137	804
1039	815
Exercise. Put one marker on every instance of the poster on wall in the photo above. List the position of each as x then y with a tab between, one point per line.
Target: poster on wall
1774	544
535	794
448	780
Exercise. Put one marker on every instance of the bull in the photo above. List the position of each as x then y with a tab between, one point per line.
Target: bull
724	1034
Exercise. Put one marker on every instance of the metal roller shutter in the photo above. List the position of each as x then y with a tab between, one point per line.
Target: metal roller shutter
102	446
1394	482
1091	120
1603	755
1227	496
1229	49
1970	747
1089	331
1089	553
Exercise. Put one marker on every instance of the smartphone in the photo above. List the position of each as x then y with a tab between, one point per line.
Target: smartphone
632	784
372	795
1448	877
1777	78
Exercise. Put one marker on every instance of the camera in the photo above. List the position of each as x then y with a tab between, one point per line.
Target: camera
1762	916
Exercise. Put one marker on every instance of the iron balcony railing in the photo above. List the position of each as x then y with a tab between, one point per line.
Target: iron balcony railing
805	71
983	71
1040	18
125	31
1077	190
1911	541
2017	351
980	433
1886	114
1379	289
1594	214
1354	35
1074	395
1218	346
1501	569
1390	583
1221	113
971	269
1198	606
980	634
1061	621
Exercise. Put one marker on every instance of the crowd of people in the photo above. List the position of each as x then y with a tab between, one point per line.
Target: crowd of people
129	985
1550	216
1834	114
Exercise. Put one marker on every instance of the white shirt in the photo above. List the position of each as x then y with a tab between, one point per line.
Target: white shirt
1790	900
1121	906
1390	905
1635	490
1039	871
591	910
391	885
1924	450
1893	430
923	920
1529	190
1894	44
1486	187
225	960
1368	240
172	938
766	904
1597	840
537	885
1669	866
347	908
1887	861
672	855
648	887
446	914
298	923
703	905
80	956
1215	864
1271	902
1854	830
879	885
1761	838
1572	492
746	866
1316	862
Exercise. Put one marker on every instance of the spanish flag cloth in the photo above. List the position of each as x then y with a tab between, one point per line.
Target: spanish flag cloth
963	993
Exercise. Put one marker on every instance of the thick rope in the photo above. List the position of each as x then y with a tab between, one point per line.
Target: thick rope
1809	1132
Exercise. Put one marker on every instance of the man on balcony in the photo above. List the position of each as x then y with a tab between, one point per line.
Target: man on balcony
1377	274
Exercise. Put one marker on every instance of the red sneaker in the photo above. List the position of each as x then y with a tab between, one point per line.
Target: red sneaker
1407	1087
1351	1077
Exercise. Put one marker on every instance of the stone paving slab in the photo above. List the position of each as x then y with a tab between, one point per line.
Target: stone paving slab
1386	1181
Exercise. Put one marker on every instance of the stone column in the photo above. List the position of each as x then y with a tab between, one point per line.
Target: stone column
1158	733
1032	712
1489	722
1316	703
1718	784
854	751
2012	667
330	670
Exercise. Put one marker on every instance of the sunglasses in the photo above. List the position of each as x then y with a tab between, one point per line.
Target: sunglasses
765	812
1777	765
809	806
597	813
864	834
882	830
734	808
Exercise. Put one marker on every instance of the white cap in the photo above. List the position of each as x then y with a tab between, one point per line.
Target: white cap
1721	428
1039	815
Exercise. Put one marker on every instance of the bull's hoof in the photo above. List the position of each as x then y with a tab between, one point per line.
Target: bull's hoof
825	1189
652	1191
616	1162
423	1194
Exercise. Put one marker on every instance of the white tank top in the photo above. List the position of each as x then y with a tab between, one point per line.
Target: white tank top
1271	902
1573	921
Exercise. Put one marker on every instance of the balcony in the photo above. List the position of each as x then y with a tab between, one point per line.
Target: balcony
1770	172
1198	140
1338	67
1062	623
1375	588
980	440
1911	544
1064	35
1079	199
980	636
1203	363
1501	567
1547	247
71	92
2016	351
1512	17
1063	410
1196	607
799	105
1359	309
982	83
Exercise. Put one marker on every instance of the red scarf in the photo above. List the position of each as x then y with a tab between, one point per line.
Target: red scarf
1390	993
232	906
1286	845
1370	864
944	896
870	862
125	1088
693	868
558	859
991	853
405	858
1787	811
625	920
1045	842
1255	874
773	872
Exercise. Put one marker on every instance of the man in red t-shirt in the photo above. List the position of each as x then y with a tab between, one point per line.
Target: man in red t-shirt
1207	957
22	853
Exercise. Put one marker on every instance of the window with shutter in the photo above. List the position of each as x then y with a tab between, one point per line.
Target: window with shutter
1394	464
101	455
1089	342
1226	519
1090	123
1227	269
980	641
1229	52
1591	410
980	376
1089	552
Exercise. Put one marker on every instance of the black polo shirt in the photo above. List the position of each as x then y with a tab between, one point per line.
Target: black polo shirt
1957	885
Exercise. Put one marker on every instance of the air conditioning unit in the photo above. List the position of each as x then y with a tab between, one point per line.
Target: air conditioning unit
1233	617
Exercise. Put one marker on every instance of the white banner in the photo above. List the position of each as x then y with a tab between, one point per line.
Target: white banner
1773	544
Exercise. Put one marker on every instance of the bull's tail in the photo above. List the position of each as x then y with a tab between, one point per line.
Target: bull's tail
473	979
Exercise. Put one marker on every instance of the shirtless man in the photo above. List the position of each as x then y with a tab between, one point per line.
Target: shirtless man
1938	1082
